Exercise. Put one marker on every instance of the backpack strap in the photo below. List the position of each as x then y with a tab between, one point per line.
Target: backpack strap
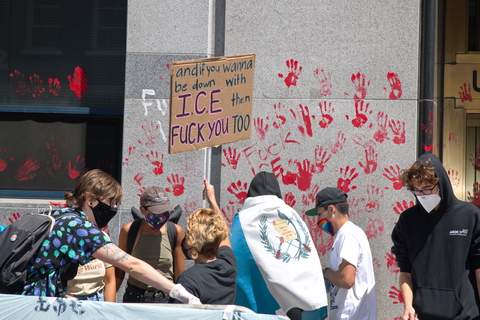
172	238
132	234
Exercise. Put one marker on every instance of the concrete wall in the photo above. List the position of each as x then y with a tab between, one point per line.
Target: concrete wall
335	104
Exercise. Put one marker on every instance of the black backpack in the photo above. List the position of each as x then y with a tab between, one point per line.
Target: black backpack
19	242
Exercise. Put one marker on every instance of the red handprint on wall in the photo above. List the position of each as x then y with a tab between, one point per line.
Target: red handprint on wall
375	229
374	195
361	112
476	159
396	295
381	134
394	174
54	86
190	206
76	168
150	130
15	216
232	157
304	174
239	190
177	185
20	86
474	197
361	85
321	157
26	171
325	80
454	177
229	214
294	71
354	206
326	111
465	93
309	198
260	128
4	158
395	85
280	118
349	174
37	88
53	149
371	160
336	146
289	199
398	129
155	161
391	262
403	205
304	122
79	82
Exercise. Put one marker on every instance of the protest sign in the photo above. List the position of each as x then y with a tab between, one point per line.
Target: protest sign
210	102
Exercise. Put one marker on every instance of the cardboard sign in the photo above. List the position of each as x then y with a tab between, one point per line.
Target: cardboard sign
210	102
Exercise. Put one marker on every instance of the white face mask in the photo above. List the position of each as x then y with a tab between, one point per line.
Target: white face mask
429	202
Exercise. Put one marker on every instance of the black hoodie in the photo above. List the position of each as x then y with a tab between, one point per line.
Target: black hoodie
264	184
440	249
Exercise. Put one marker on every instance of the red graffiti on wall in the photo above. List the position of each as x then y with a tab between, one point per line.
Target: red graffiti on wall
76	167
229	214
324	78
239	190
231	156
260	128
78	82
361	85
374	195
190	206
26	171
391	263
403	205
398	130
304	123
326	111
395	86
4	158
396	295
154	159
465	93
474	196
177	183
280	119
361	112
15	216
138	178
375	228
321	157
394	174
381	134
289	199
454	177
309	198
348	175
338	144
294	70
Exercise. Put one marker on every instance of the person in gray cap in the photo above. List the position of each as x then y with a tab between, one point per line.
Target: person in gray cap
153	245
351	275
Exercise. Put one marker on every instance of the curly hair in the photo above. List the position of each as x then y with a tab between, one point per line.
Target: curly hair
96	183
420	172
205	230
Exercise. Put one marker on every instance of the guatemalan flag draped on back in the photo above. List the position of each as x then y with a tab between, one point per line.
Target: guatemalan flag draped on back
278	264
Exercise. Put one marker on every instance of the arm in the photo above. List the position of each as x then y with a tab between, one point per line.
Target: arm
477	277
122	244
210	194
407	293
144	272
344	277
110	290
178	257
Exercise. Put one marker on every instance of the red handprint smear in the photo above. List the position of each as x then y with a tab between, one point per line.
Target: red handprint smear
361	112
374	195
260	128
58	204
391	263
325	80
130	152
375	229
289	199
294	71
140	190
395	85
138	178
321	157
465	93
398	129
324	246
428	130
26	170
371	160
229	214
54	86
394	174
305	173
349	174
453	138
381	134
361	85
338	144
4	158
354	206
454	177
403	205
155	161
280	118
326	110
304	121
232	157
19	79
177	185
150	130
37	88
54	151
79	82
190	206
474	197
15	216
239	190
75	169
476	159
395	294
309	198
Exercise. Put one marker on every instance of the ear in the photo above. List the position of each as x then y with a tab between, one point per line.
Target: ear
90	199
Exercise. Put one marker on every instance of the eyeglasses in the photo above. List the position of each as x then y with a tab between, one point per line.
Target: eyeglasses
425	192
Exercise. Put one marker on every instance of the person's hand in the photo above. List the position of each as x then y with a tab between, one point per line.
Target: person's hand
209	191
180	293
409	313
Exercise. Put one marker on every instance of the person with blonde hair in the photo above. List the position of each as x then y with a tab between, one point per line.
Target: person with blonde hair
213	277
77	238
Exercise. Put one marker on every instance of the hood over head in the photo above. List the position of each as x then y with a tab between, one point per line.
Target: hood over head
263	184
446	190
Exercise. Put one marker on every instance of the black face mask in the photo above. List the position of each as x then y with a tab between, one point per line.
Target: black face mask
185	250
103	213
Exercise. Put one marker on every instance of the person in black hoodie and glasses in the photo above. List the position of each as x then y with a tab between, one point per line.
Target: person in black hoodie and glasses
437	247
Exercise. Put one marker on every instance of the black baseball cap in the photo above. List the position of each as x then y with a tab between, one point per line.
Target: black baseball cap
327	196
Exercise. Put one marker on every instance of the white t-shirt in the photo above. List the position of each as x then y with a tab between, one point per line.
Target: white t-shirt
360	301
